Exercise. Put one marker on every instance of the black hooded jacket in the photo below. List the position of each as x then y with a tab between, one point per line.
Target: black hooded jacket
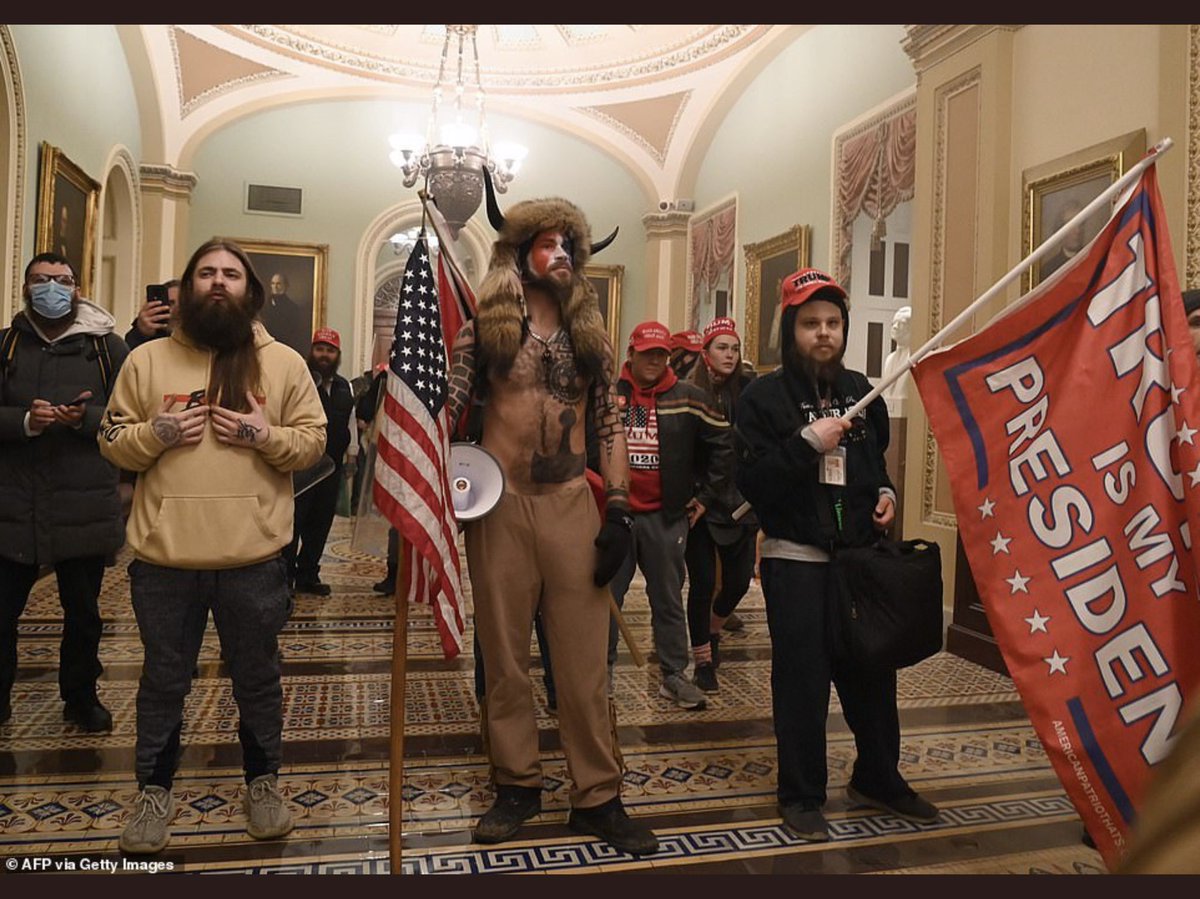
777	469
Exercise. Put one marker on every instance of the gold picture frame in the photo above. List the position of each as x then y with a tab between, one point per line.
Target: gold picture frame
1054	191
606	279
768	262
68	204
301	269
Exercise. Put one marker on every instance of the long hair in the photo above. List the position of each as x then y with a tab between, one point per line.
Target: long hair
236	369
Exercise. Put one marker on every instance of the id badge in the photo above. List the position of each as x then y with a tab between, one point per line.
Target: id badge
833	467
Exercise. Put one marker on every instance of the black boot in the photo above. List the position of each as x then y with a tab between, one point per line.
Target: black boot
513	807
88	712
610	823
714	640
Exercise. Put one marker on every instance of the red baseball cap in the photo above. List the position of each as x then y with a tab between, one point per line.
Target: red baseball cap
799	287
650	336
687	340
327	335
720	327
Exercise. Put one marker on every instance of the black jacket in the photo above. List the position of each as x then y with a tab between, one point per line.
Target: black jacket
720	515
58	495
338	405
695	446
777	468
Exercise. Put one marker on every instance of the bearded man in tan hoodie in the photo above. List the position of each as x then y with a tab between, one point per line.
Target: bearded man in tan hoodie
214	419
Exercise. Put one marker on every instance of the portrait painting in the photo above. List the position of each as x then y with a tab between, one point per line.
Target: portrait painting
606	279
1054	193
68	201
767	264
293	275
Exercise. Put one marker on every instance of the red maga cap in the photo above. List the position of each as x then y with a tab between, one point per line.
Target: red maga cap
650	336
687	340
719	327
327	335
799	287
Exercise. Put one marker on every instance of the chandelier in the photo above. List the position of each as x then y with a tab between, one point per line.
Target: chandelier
451	157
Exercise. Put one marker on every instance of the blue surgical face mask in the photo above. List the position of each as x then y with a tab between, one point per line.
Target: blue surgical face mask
51	300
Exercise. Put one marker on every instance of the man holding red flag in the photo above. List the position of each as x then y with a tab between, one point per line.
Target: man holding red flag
1079	537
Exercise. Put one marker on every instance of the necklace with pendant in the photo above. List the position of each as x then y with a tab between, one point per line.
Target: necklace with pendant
547	355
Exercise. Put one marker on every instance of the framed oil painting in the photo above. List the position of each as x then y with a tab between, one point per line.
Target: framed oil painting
1053	193
68	204
294	277
607	281
767	264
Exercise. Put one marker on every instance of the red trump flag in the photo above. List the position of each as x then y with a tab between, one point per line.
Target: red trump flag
1070	429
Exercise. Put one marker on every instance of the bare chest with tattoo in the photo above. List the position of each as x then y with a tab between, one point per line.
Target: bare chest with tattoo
537	415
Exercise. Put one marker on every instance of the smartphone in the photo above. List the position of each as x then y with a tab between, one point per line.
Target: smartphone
156	293
81	401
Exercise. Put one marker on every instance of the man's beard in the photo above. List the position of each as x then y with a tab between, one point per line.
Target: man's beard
326	368
548	284
220	326
805	367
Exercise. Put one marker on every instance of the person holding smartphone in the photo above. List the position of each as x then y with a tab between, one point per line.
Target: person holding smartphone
154	318
59	506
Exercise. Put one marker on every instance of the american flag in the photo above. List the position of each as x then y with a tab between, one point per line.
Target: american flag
411	485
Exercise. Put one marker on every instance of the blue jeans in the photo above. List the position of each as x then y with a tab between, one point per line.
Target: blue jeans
249	605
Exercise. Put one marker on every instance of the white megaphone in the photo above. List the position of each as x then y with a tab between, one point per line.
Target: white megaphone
476	481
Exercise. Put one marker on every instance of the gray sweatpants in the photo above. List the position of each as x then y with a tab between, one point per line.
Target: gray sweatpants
658	547
249	605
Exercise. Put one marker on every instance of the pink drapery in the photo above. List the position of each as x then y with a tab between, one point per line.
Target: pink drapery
876	173
712	253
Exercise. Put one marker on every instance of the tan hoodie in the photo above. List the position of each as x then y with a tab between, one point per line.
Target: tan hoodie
210	505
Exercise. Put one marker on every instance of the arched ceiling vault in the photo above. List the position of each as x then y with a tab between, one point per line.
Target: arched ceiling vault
643	94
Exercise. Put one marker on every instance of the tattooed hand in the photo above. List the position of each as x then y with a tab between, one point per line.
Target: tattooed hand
184	428
241	428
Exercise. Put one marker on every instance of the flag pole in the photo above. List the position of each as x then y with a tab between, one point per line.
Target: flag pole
396	717
1051	243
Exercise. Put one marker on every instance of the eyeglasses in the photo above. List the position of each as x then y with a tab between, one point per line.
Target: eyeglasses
64	280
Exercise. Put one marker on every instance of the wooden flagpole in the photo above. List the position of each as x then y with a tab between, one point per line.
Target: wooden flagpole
396	717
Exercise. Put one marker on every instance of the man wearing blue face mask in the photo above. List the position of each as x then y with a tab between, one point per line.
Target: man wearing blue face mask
59	505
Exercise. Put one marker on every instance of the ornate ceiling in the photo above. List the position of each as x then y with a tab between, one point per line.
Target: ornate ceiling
642	93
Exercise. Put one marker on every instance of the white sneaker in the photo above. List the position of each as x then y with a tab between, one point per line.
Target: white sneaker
682	692
267	815
146	832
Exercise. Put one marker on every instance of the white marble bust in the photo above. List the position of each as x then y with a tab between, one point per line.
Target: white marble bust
897	360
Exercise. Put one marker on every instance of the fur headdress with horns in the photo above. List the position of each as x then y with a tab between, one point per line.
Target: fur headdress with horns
500	319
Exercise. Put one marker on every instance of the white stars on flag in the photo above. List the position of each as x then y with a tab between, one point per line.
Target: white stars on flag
1038	622
1057	663
987	509
1185	434
1017	583
1000	544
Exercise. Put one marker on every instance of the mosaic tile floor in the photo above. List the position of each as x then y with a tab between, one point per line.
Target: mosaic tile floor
705	779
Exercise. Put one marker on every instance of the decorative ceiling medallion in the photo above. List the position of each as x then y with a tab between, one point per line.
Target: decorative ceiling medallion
700	47
204	72
648	123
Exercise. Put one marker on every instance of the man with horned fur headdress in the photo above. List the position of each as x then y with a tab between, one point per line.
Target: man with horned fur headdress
537	353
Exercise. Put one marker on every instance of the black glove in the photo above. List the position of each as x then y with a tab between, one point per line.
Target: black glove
612	544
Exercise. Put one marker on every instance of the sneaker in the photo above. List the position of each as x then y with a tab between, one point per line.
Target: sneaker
705	677
146	832
313	588
514	806
733	623
610	823
682	692
89	715
806	823
267	815
714	641
386	587
910	806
